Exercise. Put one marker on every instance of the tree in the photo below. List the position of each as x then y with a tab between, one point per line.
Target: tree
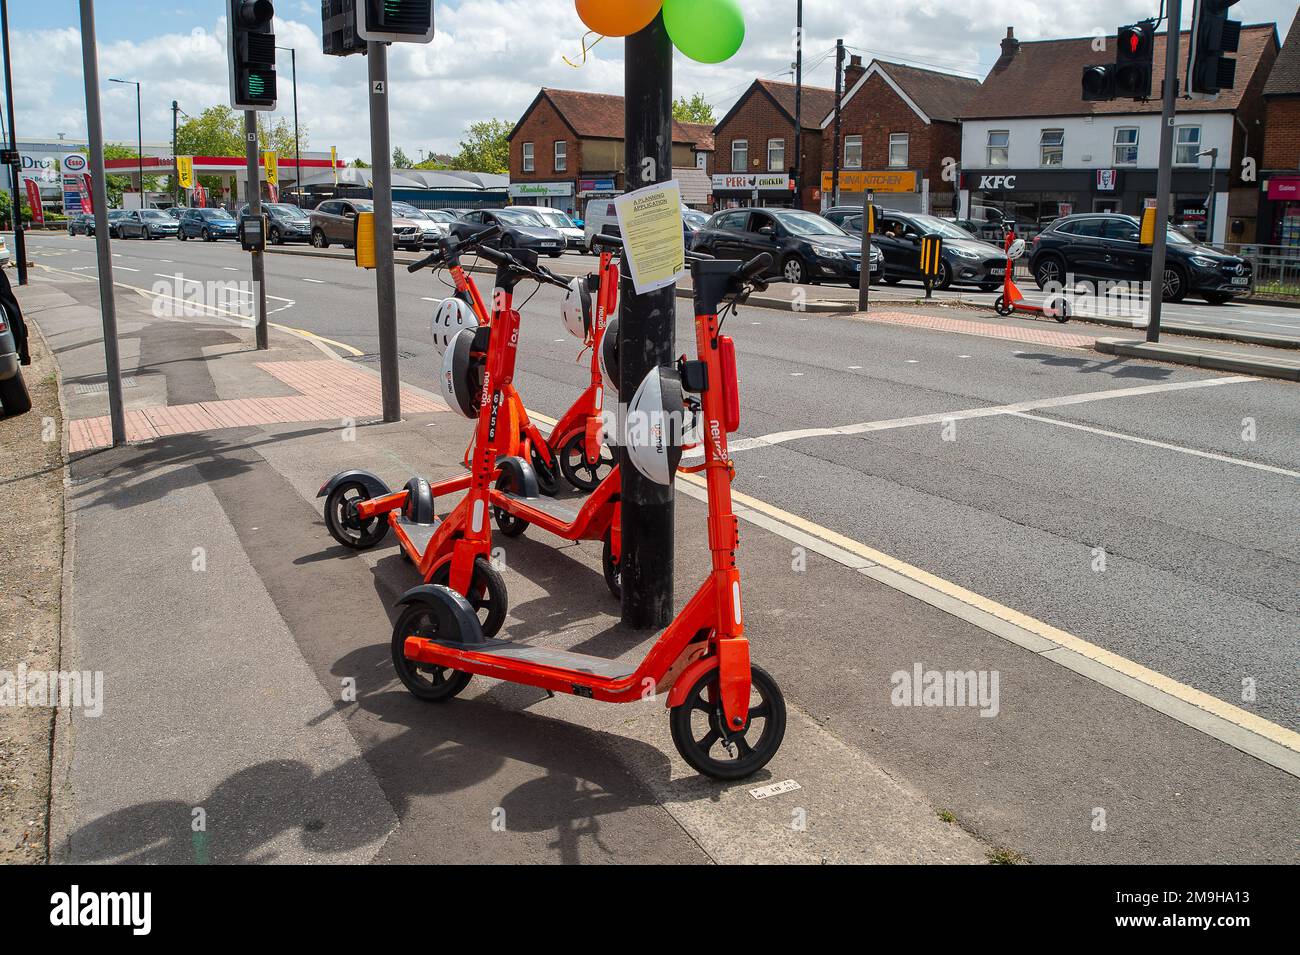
119	183
360	163
400	159
693	110
487	149
219	131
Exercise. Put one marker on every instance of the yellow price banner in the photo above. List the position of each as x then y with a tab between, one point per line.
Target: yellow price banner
271	160
185	171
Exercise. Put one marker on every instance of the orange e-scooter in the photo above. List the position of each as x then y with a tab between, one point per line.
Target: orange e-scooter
1012	299
478	370
727	717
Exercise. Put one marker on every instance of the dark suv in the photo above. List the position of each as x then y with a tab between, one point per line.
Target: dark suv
964	259
1107	247
804	246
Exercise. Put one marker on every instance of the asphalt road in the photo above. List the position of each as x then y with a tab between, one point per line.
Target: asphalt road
1151	515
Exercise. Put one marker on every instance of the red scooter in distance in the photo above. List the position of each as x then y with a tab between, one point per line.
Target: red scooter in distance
727	717
456	550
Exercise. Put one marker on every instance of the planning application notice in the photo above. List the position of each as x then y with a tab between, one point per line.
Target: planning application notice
650	220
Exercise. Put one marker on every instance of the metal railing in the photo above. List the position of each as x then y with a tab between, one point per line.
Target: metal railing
1276	267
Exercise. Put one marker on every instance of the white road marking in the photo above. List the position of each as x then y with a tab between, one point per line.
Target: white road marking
315	281
126	268
1227	459
230	268
854	367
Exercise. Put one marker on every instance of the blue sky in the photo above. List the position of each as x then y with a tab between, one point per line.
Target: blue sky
482	63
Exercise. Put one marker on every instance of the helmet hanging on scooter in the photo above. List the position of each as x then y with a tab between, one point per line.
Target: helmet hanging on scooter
462	375
577	309
608	358
654	424
451	315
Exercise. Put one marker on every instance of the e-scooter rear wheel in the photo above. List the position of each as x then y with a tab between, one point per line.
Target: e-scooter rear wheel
343	523
487	593
426	681
548	475
705	743
509	524
577	470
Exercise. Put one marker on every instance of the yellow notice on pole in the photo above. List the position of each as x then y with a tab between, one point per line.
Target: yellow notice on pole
654	246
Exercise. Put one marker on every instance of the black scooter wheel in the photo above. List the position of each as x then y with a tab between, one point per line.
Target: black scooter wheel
706	744
548	475
608	563
487	593
343	523
577	470
433	684
508	523
1000	306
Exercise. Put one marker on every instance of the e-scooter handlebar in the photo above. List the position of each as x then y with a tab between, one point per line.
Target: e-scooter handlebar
755	267
500	257
614	242
451	246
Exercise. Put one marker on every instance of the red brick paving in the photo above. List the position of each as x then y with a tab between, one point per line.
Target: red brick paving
1015	333
327	390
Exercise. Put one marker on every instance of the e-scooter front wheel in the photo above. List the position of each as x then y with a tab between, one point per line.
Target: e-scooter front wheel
487	593
709	747
344	524
609	564
426	681
580	472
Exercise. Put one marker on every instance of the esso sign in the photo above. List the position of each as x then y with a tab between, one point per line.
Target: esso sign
74	162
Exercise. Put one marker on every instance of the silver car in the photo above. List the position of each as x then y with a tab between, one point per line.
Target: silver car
334	220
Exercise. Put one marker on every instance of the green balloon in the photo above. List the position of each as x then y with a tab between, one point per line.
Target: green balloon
709	31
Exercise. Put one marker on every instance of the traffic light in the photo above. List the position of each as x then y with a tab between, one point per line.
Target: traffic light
1213	35
395	21
250	44
1134	56
339	28
1099	82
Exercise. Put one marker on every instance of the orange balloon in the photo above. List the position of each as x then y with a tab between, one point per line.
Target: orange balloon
618	17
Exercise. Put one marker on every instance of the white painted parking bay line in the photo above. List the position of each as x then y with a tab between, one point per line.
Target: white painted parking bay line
1241	462
781	437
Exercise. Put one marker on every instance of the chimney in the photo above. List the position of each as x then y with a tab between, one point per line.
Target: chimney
1010	47
853	72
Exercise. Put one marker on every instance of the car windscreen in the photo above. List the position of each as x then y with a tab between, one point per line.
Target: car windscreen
437	215
554	217
152	214
806	223
215	214
695	220
285	209
407	211
948	230
518	217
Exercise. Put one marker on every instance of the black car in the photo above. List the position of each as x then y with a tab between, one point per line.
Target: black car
805	247
115	216
146	224
519	230
81	223
284	222
1107	247
965	260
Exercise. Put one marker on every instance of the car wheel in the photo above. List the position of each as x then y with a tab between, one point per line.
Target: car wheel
1050	269
794	271
1175	284
989	286
892	279
181	235
205	235
318	239
944	278
275	236
556	255
146	234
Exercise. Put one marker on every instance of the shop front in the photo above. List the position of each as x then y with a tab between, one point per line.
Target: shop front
897	189
734	190
596	188
1280	211
557	195
1033	198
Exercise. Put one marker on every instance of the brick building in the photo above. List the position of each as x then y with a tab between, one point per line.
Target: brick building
567	149
1279	198
755	146
898	124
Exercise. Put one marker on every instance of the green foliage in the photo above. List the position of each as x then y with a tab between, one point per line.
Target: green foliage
360	163
400	159
219	131
693	110
487	149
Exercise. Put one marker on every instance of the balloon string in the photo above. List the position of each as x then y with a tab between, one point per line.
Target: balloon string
586	47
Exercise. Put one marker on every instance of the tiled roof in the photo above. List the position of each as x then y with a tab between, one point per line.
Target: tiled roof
598	115
941	96
1043	79
1285	78
701	134
817	101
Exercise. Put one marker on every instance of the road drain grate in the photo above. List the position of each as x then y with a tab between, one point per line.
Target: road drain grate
374	358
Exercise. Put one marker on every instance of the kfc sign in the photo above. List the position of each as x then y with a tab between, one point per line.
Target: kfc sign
1107	180
997	182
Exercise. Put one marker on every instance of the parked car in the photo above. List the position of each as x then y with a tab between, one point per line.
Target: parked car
114	217
333	221
560	221
1107	246
175	212
806	247
284	222
208	225
432	228
81	223
146	224
521	230
994	233
965	260
14	399
4	252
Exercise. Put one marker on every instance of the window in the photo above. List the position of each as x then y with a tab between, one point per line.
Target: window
852	152
999	147
1051	147
1126	145
731	220
740	155
529	164
1187	145
1086	228
561	155
776	155
898	149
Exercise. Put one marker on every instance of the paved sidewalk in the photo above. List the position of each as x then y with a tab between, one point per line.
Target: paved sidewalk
247	675
1218	356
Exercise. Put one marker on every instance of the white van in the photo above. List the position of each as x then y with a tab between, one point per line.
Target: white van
599	215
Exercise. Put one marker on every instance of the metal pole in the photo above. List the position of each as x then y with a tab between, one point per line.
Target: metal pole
20	243
99	193
1209	208
254	197
646	332
839	91
297	145
139	145
1164	177
798	106
176	179
382	191
864	269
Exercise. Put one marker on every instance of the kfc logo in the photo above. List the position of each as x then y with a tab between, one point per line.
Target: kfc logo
997	182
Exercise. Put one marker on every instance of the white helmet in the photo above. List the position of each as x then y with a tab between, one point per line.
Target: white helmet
1016	249
608	358
653	430
451	316
577	309
461	375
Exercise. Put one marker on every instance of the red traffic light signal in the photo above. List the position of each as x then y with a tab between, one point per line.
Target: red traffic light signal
1134	56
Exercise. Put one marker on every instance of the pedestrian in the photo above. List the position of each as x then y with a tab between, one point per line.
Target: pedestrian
15	315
